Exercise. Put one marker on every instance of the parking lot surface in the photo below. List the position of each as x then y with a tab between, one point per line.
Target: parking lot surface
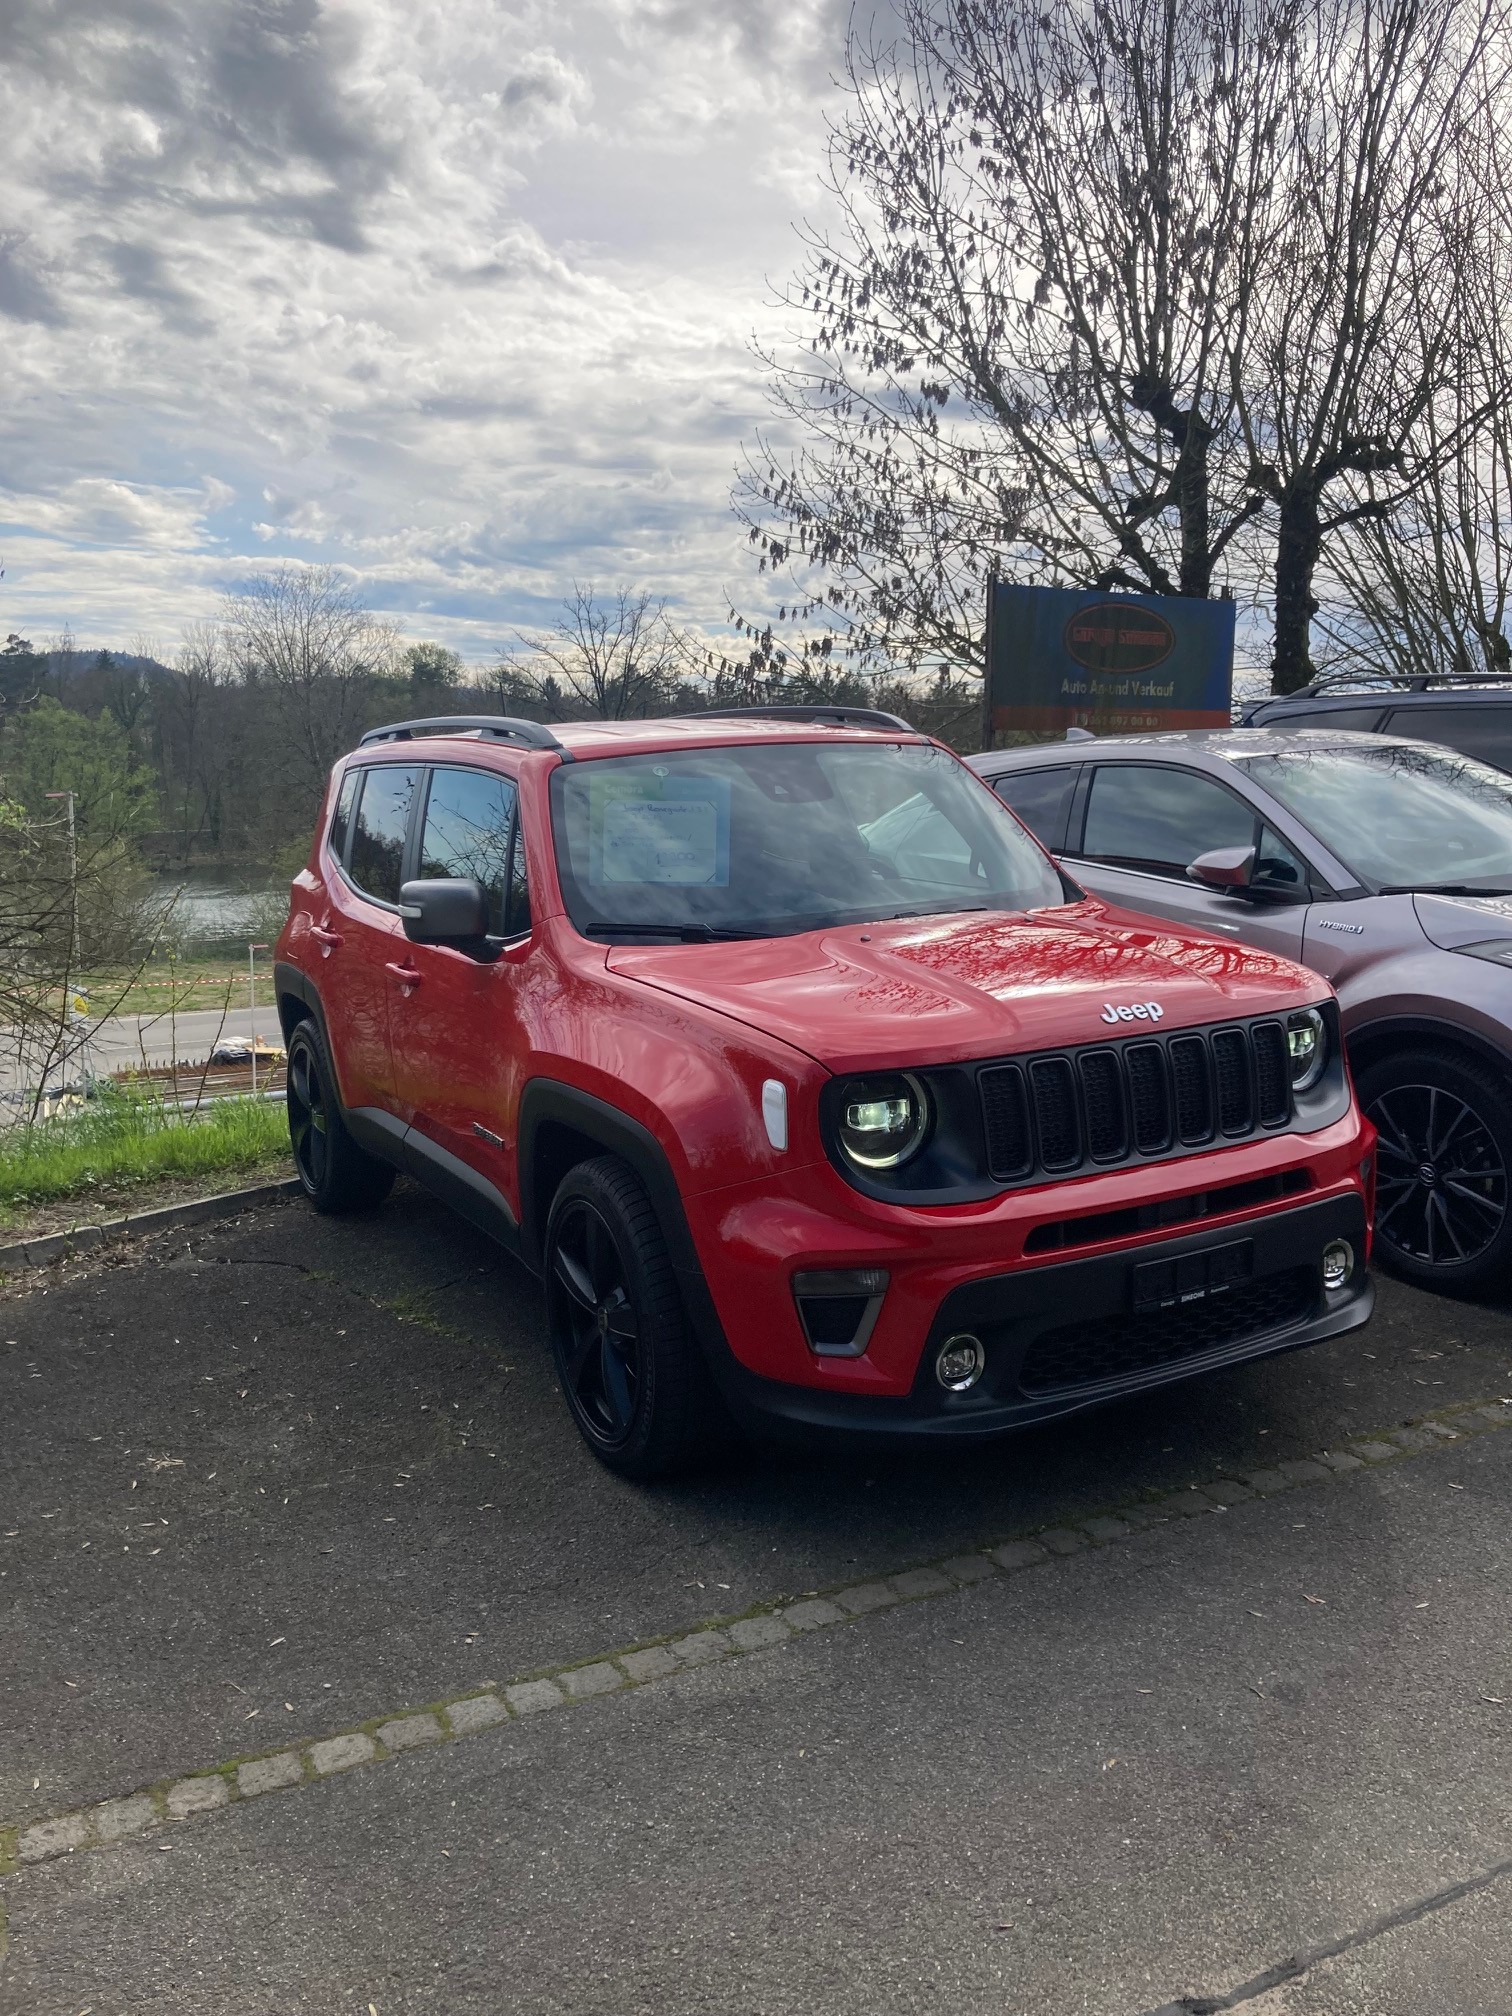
272	1485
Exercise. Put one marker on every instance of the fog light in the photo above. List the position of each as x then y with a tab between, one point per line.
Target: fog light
961	1362
1338	1263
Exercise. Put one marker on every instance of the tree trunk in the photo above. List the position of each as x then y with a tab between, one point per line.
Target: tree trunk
1192	482
1299	541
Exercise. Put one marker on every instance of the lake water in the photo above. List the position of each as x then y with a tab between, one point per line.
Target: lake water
216	909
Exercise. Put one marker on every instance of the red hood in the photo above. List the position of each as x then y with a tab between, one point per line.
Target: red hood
937	990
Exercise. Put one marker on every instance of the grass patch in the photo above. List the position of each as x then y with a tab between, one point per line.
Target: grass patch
124	1138
179	987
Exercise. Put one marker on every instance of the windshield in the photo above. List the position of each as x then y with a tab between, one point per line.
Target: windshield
783	837
1400	817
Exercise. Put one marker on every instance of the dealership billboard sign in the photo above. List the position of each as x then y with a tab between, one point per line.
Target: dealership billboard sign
1061	658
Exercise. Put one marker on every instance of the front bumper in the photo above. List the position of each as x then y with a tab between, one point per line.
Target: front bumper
1065	1337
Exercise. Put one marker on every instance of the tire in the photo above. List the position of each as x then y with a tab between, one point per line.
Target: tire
1443	1207
337	1175
633	1375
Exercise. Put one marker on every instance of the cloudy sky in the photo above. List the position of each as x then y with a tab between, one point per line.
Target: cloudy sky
457	293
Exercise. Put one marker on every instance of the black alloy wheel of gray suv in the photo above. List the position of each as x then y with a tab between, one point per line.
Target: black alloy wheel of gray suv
1383	864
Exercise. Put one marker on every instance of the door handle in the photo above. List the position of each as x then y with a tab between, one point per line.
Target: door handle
329	939
406	975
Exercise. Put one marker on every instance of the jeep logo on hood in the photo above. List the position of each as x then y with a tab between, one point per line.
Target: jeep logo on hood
1133	1011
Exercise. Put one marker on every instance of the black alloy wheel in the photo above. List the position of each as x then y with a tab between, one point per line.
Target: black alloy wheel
336	1174
308	1121
601	1361
633	1376
1442	1195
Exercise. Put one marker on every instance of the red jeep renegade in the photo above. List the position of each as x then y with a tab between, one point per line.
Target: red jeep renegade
818	1095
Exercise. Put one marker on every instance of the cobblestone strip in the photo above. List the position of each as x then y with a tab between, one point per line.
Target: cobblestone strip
170	1801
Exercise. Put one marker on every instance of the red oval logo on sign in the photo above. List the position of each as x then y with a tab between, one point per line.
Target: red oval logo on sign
1118	637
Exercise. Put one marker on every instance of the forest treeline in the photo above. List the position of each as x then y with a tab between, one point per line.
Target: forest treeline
220	755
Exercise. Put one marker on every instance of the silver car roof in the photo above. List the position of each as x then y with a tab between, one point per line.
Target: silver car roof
1225	744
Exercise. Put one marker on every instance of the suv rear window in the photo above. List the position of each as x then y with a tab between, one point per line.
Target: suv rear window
1354	720
341	818
383	810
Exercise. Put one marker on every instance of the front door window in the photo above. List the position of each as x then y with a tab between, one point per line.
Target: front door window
1157	821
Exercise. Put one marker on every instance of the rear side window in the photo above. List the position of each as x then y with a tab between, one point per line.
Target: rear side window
1485	732
1039	799
469	832
341	818
1356	720
377	862
1157	821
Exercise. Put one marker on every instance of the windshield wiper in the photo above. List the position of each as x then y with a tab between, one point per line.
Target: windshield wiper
687	934
1444	889
935	910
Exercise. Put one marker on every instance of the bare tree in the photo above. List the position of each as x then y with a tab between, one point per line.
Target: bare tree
1022	328
608	660
1352	316
1118	283
302	637
1426	590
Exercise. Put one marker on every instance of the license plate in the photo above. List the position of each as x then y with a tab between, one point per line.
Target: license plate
1171	1284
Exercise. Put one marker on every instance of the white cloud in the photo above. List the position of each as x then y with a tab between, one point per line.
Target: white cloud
453	292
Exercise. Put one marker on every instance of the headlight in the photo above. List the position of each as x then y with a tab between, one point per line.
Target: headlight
883	1121
1307	1046
1499	949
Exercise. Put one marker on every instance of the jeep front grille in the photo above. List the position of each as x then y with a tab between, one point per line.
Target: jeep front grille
1147	1096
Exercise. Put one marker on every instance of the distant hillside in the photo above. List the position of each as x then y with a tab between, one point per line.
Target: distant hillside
65	667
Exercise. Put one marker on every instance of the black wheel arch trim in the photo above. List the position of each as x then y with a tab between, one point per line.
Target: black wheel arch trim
1369	1041
546	1103
290	985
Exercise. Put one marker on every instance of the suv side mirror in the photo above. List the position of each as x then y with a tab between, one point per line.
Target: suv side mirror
1224	868
444	912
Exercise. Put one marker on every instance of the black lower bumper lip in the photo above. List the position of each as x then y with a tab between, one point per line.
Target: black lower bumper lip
1085	1332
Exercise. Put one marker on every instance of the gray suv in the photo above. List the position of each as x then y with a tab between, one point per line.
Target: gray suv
1383	864
1474	717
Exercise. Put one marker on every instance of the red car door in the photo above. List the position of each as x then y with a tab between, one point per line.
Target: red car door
459	1046
361	937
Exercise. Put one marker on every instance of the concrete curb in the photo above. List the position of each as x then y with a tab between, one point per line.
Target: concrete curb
106	1823
198	1211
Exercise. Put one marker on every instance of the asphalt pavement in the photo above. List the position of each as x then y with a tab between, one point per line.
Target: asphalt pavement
286	1478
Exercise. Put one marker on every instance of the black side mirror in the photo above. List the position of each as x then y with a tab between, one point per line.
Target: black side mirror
1224	868
444	912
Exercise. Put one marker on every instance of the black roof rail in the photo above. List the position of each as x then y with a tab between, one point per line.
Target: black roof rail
840	717
488	727
1392	682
